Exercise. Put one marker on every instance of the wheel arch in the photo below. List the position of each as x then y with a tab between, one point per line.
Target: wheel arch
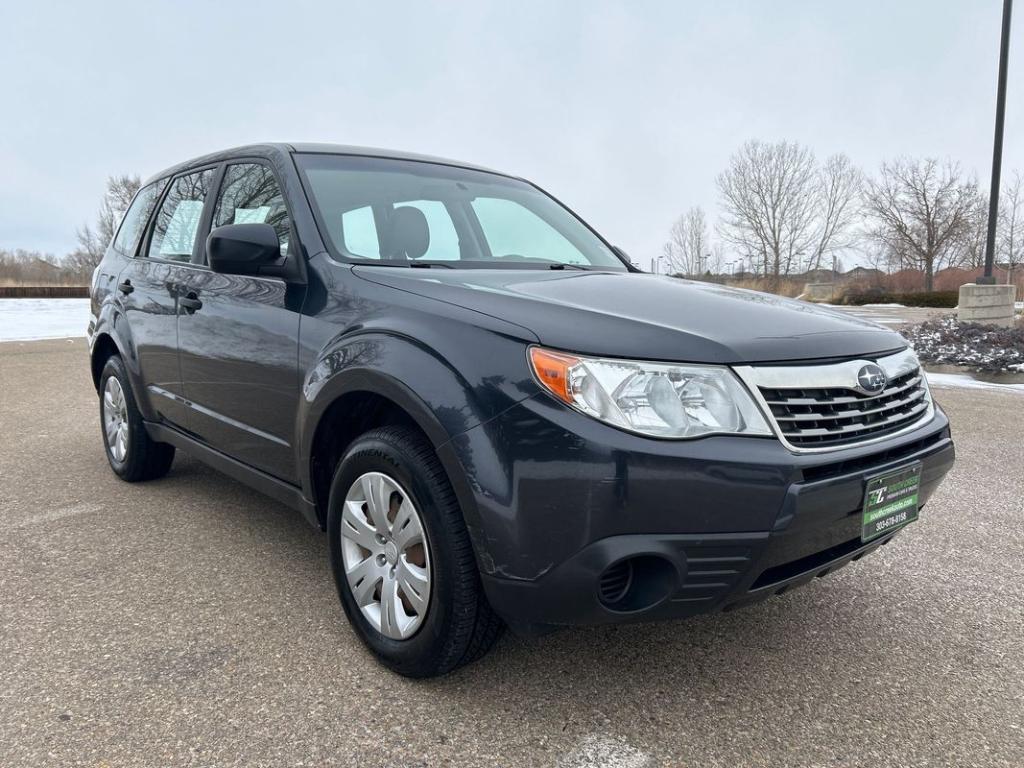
361	400
349	415
112	335
103	348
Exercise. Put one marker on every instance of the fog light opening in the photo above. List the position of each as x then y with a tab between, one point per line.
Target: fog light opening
636	583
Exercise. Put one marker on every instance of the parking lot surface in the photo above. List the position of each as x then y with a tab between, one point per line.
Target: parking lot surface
894	315
191	621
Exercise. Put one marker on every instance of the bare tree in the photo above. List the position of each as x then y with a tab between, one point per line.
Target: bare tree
784	211
839	206
1011	225
93	240
81	263
21	267
780	210
972	241
687	247
921	211
714	260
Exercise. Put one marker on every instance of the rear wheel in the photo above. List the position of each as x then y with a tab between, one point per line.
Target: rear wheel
402	559
132	454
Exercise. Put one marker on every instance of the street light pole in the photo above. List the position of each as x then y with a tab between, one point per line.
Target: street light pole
997	148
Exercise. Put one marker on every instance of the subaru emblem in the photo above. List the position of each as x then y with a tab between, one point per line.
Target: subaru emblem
871	379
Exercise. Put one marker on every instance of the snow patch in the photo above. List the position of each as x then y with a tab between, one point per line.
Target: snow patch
605	752
963	381
947	341
28	319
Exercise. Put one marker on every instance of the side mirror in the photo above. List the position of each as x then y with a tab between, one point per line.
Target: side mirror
243	249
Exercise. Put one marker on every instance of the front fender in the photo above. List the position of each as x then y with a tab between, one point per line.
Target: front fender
443	399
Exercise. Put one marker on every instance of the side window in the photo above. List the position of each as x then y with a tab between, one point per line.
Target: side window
444	240
177	221
512	230
359	233
251	195
135	219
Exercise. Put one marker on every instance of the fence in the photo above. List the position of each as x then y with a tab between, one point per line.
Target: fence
44	292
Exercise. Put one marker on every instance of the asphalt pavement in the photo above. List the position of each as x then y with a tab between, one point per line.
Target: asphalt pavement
894	315
191	621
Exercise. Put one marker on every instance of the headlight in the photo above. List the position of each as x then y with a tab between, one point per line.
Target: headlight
656	399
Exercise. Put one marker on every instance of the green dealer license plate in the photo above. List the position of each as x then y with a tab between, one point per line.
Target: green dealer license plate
890	501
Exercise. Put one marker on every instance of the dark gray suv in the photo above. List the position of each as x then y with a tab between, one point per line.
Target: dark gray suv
495	417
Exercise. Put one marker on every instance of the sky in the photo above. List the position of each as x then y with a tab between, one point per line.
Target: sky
626	111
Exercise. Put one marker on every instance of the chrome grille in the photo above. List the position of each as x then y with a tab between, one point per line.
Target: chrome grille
823	407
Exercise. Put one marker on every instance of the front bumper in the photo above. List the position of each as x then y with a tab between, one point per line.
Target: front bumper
710	524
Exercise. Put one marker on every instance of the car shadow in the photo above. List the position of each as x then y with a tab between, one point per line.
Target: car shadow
694	651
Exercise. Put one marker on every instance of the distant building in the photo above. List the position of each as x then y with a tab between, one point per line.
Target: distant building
863	274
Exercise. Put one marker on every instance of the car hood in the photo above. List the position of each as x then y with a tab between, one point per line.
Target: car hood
648	317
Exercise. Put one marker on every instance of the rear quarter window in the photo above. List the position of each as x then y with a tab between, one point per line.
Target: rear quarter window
134	221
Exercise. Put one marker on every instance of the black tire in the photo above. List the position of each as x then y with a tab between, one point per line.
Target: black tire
144	459
459	626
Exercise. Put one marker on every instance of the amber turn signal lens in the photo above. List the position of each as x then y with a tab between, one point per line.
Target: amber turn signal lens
552	369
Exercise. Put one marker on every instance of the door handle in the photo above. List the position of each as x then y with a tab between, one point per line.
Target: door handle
190	302
126	287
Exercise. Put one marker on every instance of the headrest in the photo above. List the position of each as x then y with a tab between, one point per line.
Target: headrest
408	236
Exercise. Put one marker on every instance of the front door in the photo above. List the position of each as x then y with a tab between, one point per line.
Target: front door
238	337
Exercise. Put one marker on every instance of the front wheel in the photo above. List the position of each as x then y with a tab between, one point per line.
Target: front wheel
402	559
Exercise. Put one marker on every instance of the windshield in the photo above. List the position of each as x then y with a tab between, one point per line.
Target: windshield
404	213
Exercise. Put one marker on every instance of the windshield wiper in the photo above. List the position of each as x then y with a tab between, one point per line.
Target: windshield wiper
490	264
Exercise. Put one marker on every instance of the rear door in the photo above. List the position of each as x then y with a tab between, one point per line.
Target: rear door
239	346
149	284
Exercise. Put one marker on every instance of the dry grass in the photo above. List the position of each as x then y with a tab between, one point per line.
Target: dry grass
785	287
10	282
